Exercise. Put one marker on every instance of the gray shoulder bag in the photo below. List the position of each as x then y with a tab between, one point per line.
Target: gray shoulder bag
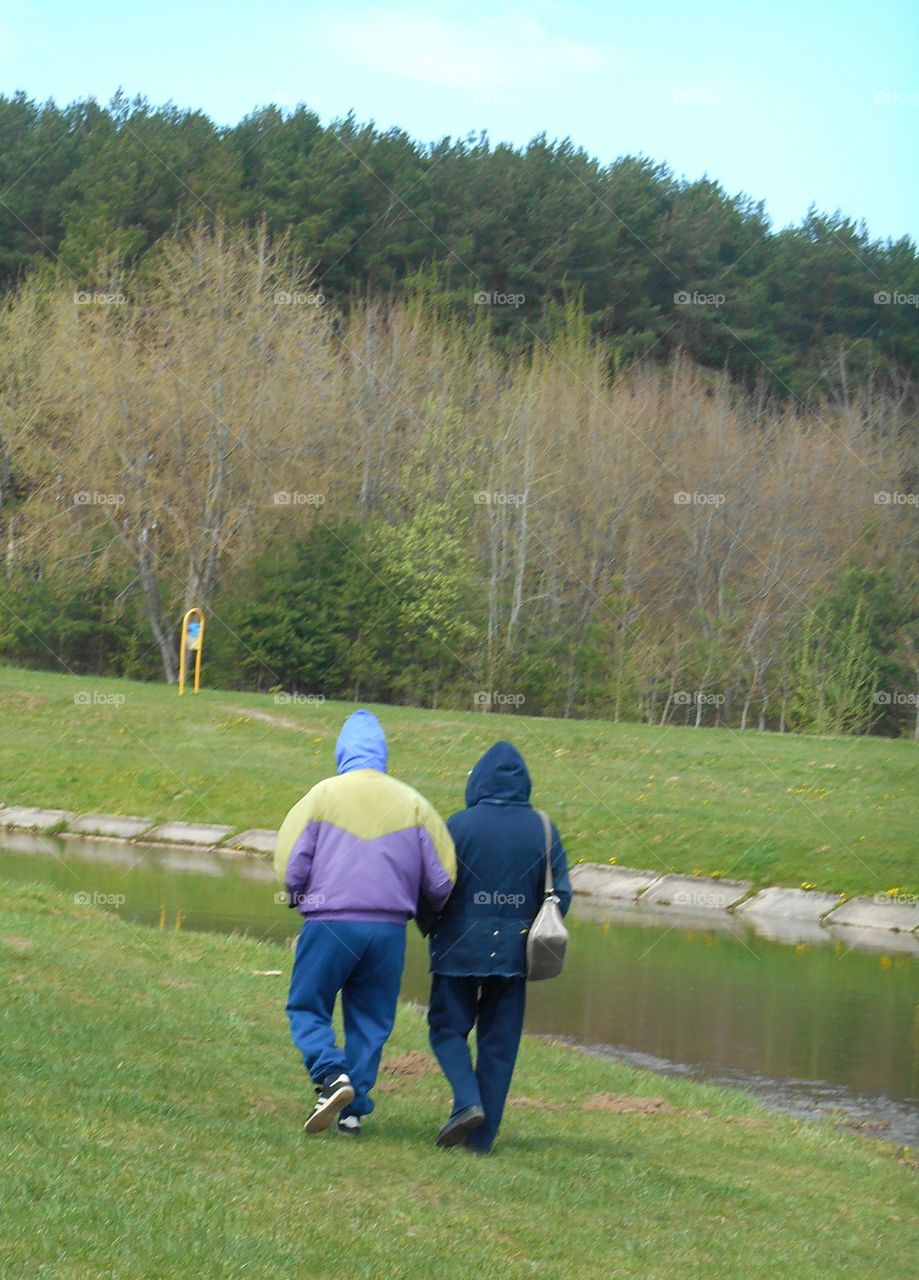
548	938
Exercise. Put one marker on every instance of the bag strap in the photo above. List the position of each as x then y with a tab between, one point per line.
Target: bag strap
547	829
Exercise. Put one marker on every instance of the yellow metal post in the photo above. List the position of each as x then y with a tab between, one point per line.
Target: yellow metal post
193	639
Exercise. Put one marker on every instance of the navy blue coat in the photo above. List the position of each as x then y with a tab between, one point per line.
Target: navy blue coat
500	883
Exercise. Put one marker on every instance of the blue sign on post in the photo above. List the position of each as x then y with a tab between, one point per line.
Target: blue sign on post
192	642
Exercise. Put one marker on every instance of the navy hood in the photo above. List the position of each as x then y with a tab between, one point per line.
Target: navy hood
500	776
361	744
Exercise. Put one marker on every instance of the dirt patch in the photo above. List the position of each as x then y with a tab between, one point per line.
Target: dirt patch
279	722
534	1104
408	1066
23	701
621	1104
16	944
395	1072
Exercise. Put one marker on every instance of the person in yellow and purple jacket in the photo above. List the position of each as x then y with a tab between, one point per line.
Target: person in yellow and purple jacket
356	856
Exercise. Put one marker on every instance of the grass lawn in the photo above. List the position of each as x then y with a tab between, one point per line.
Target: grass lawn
151	1112
838	813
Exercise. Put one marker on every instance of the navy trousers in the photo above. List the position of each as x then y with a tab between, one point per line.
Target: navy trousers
494	1006
364	962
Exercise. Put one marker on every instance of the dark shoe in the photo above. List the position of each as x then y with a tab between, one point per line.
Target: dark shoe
336	1092
456	1128
350	1126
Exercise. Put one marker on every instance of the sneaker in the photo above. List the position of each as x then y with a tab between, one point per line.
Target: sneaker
456	1128
334	1093
350	1125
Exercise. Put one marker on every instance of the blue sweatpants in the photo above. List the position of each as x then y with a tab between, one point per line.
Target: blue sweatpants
364	962
494	1006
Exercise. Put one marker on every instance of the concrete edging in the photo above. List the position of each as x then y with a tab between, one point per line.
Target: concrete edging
703	895
708	895
111	826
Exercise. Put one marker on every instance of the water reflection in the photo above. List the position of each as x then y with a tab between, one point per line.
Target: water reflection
794	1015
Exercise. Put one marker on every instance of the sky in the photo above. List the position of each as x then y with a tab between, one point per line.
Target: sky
793	103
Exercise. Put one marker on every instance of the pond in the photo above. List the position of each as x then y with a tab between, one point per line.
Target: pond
809	1028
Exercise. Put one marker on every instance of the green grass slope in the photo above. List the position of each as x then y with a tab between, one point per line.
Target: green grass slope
151	1113
835	812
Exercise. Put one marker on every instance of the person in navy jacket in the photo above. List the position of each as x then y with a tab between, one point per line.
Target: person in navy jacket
478	941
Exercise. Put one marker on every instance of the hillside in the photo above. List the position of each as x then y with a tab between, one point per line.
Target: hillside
152	1114
835	812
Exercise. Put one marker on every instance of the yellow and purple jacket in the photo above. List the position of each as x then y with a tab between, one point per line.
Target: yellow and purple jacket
362	845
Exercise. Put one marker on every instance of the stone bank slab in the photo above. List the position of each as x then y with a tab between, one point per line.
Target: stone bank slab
612	911
886	941
30	842
610	882
790	932
202	834
790	904
881	912
695	893
24	818
258	840
110	824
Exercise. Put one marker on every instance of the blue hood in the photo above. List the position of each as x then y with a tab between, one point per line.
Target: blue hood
501	776
361	744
